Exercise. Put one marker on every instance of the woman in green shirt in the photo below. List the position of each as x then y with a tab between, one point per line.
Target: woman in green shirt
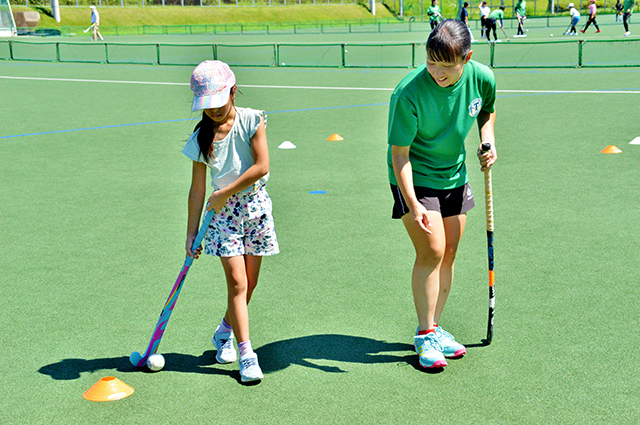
431	113
521	15
434	14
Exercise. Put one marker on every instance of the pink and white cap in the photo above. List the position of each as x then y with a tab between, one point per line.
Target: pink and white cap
211	83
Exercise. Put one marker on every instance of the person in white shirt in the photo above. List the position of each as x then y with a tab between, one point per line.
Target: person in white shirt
95	23
575	17
484	14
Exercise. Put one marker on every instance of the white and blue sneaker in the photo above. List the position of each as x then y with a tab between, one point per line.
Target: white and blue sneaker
249	368
223	341
429	350
450	348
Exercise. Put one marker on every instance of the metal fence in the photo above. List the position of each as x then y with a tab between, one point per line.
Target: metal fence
549	54
214	3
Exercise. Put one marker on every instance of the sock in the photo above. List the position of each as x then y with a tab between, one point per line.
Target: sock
244	348
224	327
426	332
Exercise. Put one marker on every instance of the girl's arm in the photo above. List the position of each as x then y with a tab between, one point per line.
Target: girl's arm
197	194
404	176
486	123
259	169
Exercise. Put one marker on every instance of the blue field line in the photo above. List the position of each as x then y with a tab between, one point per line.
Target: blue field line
180	120
515	94
91	128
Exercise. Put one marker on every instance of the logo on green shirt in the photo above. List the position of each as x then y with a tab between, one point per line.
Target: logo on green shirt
475	107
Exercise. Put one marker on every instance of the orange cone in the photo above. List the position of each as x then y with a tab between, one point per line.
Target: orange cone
610	149
335	137
108	389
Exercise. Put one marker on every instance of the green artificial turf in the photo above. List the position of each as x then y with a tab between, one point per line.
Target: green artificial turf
93	231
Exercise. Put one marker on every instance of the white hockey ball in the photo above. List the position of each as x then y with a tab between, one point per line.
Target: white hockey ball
155	362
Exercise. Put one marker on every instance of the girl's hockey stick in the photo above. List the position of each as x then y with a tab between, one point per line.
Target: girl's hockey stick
488	197
139	360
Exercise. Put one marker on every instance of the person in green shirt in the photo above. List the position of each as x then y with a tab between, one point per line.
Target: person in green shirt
431	112
627	9
434	14
492	22
521	15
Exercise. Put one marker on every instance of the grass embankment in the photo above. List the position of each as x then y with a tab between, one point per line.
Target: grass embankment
175	15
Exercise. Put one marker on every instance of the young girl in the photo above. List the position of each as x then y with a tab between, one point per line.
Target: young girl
232	143
593	11
430	114
575	17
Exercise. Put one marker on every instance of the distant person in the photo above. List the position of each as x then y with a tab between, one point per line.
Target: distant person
575	17
618	8
627	10
484	14
593	11
492	23
434	13
464	18
95	23
521	15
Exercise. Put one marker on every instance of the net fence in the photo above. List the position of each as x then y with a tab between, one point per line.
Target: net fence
542	54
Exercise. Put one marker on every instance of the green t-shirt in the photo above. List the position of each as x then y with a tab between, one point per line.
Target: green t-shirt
521	8
434	121
497	14
628	4
434	13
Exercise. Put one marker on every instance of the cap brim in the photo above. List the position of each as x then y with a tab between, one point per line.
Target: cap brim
207	102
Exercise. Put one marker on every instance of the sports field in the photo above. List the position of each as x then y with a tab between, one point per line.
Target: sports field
94	196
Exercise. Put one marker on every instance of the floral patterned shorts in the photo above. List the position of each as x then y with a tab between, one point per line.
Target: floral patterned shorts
243	226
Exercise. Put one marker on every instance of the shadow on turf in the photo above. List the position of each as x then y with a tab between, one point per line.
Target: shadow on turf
303	351
69	369
330	347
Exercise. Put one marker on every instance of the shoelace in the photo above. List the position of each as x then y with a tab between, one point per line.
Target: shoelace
249	363
430	341
445	334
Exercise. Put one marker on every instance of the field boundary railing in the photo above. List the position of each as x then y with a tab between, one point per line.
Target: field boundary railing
542	54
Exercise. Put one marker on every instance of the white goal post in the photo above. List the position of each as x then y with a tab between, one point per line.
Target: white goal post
7	23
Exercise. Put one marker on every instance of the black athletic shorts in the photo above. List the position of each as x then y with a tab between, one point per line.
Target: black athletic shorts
448	202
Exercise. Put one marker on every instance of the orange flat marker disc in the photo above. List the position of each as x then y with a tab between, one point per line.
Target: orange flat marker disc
611	149
108	389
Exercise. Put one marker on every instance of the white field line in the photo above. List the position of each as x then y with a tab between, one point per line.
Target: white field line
77	80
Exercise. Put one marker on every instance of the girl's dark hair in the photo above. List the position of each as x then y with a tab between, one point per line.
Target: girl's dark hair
450	41
205	136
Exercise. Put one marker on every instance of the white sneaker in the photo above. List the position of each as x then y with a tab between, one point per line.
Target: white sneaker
223	341
249	368
627	33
